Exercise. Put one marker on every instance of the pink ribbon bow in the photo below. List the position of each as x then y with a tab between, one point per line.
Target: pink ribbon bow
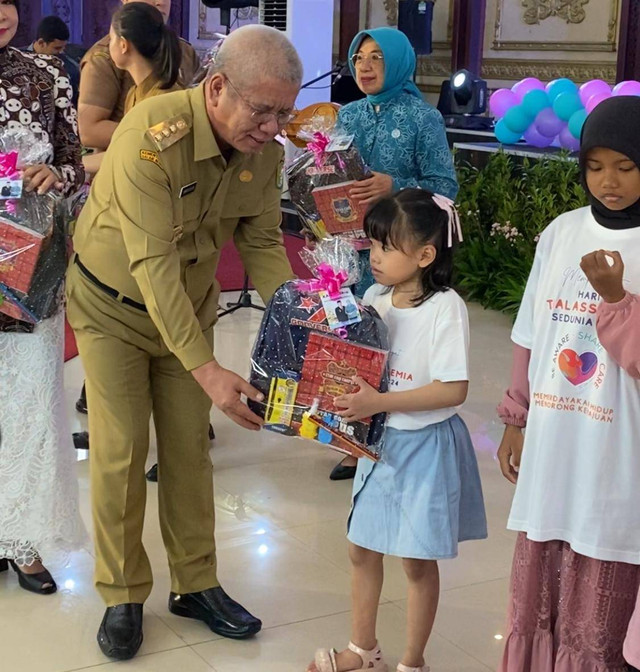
9	165
328	280
319	146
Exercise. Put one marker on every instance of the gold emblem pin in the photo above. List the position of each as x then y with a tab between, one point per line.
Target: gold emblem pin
246	176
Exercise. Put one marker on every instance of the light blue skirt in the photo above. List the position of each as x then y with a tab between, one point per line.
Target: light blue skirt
423	497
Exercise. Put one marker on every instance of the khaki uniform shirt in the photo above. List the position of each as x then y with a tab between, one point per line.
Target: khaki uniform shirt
103	85
149	88
162	207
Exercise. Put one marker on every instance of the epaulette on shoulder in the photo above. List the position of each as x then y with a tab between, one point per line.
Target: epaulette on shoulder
167	133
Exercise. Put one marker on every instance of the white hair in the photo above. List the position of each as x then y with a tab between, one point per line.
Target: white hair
256	52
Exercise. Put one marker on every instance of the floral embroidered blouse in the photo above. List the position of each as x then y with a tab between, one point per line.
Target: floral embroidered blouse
404	138
35	92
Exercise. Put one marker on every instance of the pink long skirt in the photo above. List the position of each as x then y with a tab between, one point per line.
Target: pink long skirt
567	612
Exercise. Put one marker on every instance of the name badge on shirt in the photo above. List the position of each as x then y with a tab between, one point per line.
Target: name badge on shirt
188	189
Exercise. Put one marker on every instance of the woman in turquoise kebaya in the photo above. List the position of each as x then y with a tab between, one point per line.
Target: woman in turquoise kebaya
401	137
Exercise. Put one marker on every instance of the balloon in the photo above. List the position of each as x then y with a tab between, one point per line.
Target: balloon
593	88
594	101
568	141
577	122
536	139
517	120
502	101
535	101
628	88
523	87
504	135
558	86
566	105
547	123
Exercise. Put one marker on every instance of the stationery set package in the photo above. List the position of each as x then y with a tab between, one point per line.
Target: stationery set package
314	338
33	241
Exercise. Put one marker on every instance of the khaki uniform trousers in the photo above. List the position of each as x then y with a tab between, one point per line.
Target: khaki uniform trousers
130	374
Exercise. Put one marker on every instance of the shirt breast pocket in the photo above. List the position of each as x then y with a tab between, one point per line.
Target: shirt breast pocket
242	203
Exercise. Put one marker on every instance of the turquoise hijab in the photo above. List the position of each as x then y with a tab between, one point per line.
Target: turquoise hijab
399	63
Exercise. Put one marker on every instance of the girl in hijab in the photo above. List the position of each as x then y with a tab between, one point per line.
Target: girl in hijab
576	387
401	137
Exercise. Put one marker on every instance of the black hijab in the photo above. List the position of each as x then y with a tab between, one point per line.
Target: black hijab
614	124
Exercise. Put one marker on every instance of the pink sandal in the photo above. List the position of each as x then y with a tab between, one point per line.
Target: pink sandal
406	668
372	661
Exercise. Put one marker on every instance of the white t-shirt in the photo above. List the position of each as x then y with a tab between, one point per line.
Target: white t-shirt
580	473
429	342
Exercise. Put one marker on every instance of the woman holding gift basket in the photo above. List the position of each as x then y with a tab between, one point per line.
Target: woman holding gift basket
399	135
38	488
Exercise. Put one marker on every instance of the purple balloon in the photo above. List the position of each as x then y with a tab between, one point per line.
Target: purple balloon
594	101
568	141
502	101
593	88
547	123
628	88
536	139
523	87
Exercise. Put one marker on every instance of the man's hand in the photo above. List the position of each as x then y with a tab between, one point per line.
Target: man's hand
225	389
370	190
604	277
361	404
40	177
510	452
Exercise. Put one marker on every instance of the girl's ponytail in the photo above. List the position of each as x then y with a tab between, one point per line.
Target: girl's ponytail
144	27
168	58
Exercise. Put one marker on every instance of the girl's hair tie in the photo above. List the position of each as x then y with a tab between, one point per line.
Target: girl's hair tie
454	224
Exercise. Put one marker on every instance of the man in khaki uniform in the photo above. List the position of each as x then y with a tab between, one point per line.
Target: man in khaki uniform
184	173
104	88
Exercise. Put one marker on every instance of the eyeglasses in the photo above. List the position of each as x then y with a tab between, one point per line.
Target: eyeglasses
375	59
261	117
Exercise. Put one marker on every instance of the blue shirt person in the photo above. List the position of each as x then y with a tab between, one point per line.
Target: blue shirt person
401	137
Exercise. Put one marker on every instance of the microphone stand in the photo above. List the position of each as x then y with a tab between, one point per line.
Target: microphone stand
336	70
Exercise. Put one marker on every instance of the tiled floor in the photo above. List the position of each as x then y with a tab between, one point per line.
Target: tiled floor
281	552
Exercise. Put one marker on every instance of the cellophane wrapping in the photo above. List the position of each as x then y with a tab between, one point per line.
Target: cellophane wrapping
301	364
320	180
32	235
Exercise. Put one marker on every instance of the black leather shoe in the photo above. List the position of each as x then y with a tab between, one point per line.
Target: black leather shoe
215	608
81	404
342	473
212	434
120	633
152	474
81	440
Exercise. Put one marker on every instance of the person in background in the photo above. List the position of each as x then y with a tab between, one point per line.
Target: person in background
39	513
52	40
104	87
145	47
401	137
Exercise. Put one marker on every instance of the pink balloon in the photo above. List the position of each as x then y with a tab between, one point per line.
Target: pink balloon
568	141
523	87
594	101
536	139
593	88
502	101
628	88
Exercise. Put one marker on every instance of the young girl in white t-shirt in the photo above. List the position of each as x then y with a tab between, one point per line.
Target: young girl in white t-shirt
424	496
576	386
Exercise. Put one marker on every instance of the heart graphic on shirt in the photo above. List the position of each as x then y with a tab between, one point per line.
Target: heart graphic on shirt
577	369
